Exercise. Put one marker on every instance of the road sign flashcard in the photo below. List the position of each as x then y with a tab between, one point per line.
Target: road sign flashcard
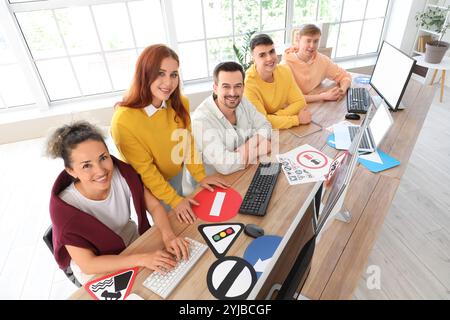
114	286
304	164
217	206
231	278
220	236
260	251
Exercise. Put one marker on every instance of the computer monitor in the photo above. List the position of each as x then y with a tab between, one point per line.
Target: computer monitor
282	279
391	74
286	271
335	195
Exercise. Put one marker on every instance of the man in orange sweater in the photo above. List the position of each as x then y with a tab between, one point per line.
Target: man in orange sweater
310	67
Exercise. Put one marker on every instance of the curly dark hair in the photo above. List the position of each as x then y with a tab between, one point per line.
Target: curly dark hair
64	139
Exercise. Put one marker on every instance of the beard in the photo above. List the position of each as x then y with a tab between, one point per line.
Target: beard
229	104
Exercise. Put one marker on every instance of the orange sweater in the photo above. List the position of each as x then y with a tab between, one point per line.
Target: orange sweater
309	75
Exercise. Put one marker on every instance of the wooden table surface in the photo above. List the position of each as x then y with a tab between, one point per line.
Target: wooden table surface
341	254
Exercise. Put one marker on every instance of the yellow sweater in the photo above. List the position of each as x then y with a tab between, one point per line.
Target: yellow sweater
147	144
280	101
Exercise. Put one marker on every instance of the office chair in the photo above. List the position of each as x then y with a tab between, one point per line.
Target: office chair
49	242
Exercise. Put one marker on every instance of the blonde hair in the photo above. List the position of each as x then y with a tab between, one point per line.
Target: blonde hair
310	30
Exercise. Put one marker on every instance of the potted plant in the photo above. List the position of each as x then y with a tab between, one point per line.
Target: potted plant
243	54
434	19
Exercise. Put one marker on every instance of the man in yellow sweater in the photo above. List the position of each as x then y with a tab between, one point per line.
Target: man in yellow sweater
271	88
310	67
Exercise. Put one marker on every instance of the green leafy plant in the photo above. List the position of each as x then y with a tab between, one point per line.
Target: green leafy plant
243	54
433	19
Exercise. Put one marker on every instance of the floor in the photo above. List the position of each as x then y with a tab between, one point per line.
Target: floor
411	259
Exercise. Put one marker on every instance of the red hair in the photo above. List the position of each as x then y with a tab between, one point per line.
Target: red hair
148	64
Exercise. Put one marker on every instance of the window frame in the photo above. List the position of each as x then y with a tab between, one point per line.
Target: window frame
37	85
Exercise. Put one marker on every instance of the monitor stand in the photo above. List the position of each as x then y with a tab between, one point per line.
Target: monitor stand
276	287
344	216
401	106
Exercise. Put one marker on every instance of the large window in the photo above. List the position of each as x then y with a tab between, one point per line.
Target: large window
354	26
88	49
80	48
206	34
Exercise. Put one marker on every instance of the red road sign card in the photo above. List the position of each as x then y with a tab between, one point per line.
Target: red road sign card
217	206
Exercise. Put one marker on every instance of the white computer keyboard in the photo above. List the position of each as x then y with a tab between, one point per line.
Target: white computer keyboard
163	284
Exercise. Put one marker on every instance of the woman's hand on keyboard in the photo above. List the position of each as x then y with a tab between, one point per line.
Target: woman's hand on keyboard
160	261
177	246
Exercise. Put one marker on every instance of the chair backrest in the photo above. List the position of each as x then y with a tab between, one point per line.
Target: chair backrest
48	239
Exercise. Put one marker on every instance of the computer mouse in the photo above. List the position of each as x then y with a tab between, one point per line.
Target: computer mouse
253	230
352	116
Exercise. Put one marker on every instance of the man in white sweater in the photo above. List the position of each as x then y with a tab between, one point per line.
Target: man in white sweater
228	130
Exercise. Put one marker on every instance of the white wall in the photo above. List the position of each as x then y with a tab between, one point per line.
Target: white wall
40	123
401	30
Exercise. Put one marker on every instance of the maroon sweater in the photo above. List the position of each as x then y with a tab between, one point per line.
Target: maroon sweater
74	227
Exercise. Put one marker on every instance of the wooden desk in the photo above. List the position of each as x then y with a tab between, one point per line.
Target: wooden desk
344	248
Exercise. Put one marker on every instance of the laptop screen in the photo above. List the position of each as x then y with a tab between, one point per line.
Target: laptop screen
380	123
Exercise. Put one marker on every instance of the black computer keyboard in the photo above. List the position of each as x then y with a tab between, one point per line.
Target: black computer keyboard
260	190
358	100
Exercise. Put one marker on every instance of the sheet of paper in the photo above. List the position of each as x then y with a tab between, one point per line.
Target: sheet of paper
304	164
342	139
374	157
343	122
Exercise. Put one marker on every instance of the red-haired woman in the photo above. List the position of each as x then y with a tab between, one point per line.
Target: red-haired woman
151	128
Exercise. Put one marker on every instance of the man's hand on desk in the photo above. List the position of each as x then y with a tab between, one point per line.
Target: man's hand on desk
177	246
264	146
304	116
334	94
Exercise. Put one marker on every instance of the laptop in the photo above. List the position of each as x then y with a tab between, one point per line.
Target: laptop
377	129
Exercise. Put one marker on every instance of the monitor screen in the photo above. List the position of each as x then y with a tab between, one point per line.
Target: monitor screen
380	123
294	280
336	190
391	74
290	264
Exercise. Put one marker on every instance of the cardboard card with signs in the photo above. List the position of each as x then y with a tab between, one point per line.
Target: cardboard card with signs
217	206
220	236
231	278
304	164
114	286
